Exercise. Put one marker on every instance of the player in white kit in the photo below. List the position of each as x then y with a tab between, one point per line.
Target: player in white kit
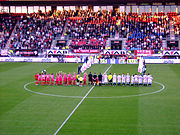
119	79
123	79
128	79
132	80
145	79
140	80
105	79
114	79
136	79
149	80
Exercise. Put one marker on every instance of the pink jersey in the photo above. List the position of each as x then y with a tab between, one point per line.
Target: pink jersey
69	77
39	77
85	77
74	77
60	77
64	78
44	77
52	77
48	77
57	78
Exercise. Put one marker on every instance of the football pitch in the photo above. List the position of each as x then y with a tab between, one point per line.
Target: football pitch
27	109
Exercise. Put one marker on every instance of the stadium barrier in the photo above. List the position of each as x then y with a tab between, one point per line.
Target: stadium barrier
116	61
57	52
27	59
171	53
135	61
85	51
162	61
114	52
96	61
43	60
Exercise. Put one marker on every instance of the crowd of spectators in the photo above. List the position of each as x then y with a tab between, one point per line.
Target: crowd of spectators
88	29
7	24
36	32
144	31
176	23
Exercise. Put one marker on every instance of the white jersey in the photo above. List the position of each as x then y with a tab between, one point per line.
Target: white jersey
136	78
102	79
145	78
150	79
132	79
105	79
128	78
119	78
123	78
140	79
114	78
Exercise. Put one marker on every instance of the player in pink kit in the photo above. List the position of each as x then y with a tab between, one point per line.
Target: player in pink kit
47	79
52	79
74	79
85	78
43	79
57	79
60	79
36	78
39	79
69	79
64	79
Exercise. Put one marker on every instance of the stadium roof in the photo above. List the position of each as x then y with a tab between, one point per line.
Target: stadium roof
85	2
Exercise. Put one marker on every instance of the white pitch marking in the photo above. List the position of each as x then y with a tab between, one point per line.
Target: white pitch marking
138	95
77	105
45	94
63	96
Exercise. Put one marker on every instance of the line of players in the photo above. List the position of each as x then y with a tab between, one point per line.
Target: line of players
60	79
63	79
133	80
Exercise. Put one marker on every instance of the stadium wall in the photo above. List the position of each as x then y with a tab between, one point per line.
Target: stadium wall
96	61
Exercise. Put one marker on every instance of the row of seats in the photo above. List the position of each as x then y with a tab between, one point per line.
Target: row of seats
89	28
92	30
7	24
36	32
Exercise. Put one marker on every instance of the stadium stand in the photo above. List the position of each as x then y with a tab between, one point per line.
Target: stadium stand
7	24
91	31
36	32
88	29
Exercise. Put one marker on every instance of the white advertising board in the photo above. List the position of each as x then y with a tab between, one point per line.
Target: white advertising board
75	60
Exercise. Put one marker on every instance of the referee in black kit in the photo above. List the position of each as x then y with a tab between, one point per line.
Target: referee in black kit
79	69
95	79
90	78
100	79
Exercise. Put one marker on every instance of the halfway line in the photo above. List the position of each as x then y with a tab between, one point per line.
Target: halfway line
78	105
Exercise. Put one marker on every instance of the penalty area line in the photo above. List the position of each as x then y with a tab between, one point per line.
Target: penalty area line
78	105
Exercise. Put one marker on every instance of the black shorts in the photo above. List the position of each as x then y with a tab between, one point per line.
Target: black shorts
95	80
110	80
90	79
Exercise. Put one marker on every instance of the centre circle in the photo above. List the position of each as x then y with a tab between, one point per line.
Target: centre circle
126	96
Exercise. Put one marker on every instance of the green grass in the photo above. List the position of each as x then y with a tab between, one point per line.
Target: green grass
26	113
